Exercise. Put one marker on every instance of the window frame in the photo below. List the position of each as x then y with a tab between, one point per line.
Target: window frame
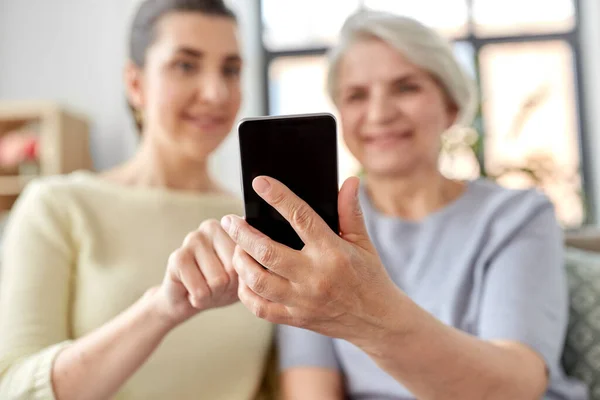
571	38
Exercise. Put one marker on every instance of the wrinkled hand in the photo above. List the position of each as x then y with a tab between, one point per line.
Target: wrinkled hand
336	285
199	275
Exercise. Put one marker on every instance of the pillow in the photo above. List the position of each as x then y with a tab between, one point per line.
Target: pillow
581	357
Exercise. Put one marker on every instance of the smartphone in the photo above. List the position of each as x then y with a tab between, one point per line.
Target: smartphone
301	152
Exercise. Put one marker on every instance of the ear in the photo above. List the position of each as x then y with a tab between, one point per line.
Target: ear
133	77
452	113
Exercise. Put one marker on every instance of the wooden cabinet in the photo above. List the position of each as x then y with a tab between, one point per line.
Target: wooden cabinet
62	143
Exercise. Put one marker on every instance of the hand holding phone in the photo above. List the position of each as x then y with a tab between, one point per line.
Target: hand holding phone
301	152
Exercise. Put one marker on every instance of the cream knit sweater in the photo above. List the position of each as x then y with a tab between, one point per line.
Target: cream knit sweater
78	251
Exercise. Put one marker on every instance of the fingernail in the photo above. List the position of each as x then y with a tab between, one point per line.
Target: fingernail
226	223
261	185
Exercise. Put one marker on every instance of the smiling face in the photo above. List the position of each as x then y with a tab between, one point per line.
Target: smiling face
392	112
189	88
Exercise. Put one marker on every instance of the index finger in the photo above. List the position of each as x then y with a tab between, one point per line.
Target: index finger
275	256
305	221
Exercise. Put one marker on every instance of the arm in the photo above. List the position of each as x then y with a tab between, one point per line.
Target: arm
37	358
112	353
437	361
337	286
35	306
34	296
523	318
309	365
311	383
199	277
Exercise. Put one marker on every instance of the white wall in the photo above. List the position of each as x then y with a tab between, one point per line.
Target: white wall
73	52
226	161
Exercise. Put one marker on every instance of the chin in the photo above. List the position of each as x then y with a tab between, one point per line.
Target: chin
389	166
198	148
195	157
196	134
388	172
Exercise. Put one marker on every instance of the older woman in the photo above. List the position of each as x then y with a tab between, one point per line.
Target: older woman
448	289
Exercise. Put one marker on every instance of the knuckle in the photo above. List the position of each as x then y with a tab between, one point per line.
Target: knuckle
260	310
239	259
179	257
219	282
211	226
257	282
198	302
340	259
357	210
277	197
301	218
200	294
233	280
195	239
301	321
266	254
235	230
323	288
236	260
229	268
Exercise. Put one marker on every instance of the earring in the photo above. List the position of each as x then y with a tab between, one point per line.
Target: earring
139	117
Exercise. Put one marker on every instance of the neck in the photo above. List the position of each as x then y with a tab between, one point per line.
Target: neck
155	167
412	197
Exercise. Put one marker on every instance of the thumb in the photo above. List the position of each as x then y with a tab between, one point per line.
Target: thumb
352	225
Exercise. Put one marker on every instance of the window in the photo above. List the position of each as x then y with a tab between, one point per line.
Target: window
531	120
301	24
524	54
305	78
449	18
514	17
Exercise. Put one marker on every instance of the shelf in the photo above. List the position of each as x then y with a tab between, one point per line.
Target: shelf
63	140
26	110
13	185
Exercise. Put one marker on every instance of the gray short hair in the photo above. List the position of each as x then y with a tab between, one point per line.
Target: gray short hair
421	45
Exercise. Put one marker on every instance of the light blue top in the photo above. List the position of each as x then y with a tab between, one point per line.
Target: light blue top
490	264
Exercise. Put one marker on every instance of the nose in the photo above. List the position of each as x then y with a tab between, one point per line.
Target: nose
380	108
213	89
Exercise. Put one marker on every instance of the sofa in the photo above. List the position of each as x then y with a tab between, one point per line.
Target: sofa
581	357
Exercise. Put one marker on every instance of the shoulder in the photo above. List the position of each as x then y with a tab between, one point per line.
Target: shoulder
46	201
507	211
87	188
42	210
494	199
49	190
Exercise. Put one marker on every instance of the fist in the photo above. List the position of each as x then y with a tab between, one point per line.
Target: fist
199	275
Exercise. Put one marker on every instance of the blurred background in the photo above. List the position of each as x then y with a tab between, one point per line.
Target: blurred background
537	63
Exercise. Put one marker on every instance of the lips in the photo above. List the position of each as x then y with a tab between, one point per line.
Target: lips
205	122
386	140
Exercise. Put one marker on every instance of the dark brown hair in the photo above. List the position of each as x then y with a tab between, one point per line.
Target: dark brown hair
143	30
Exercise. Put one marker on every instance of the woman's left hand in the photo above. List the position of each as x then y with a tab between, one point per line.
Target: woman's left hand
336	285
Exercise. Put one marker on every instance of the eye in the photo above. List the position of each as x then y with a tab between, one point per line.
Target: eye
186	67
232	71
356	96
406	87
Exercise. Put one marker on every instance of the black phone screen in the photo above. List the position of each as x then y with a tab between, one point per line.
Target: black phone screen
300	152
